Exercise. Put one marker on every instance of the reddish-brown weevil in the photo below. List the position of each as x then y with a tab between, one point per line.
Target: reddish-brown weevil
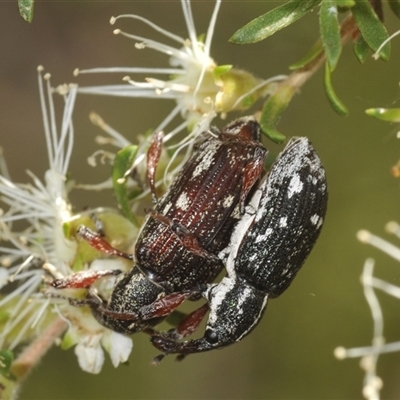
177	250
267	248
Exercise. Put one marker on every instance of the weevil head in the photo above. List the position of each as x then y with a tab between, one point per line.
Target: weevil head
235	309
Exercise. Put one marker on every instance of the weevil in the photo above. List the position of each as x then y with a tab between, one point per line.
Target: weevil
177	248
268	247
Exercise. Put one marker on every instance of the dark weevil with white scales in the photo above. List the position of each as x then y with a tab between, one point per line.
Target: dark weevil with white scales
268	246
177	248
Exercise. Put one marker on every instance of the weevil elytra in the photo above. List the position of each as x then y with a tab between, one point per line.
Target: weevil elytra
267	248
177	248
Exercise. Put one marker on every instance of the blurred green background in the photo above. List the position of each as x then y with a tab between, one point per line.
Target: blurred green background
290	354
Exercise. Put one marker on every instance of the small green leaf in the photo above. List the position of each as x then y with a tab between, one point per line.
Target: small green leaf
270	115
330	32
271	22
345	3
272	133
372	29
273	109
221	69
385	114
68	341
361	49
336	104
313	53
277	103
26	9
395	6
6	359
122	163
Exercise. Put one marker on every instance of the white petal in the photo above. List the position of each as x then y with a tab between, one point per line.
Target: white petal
90	359
3	277
120	348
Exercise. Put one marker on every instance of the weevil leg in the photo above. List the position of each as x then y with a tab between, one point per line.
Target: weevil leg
186	327
160	308
98	224
126	316
153	156
82	279
156	360
96	302
165	305
92	300
190	323
97	241
187	238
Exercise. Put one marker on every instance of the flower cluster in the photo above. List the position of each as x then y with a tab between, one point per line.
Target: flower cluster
37	222
33	230
199	87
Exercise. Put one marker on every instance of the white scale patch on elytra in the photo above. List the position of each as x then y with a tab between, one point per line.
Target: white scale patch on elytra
283	222
317	220
263	238
228	201
183	202
208	158
295	185
253	257
284	271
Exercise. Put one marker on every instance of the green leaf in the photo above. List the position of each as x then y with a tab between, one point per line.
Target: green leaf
395	6
26	9
385	114
330	32
270	115
271	22
372	29
122	163
273	109
361	49
271	133
6	359
336	104
221	69
345	3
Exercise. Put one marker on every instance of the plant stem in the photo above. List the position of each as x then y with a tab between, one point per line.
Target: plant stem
25	362
297	78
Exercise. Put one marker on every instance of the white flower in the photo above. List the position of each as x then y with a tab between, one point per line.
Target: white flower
91	355
41	208
32	235
198	84
90	339
200	88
